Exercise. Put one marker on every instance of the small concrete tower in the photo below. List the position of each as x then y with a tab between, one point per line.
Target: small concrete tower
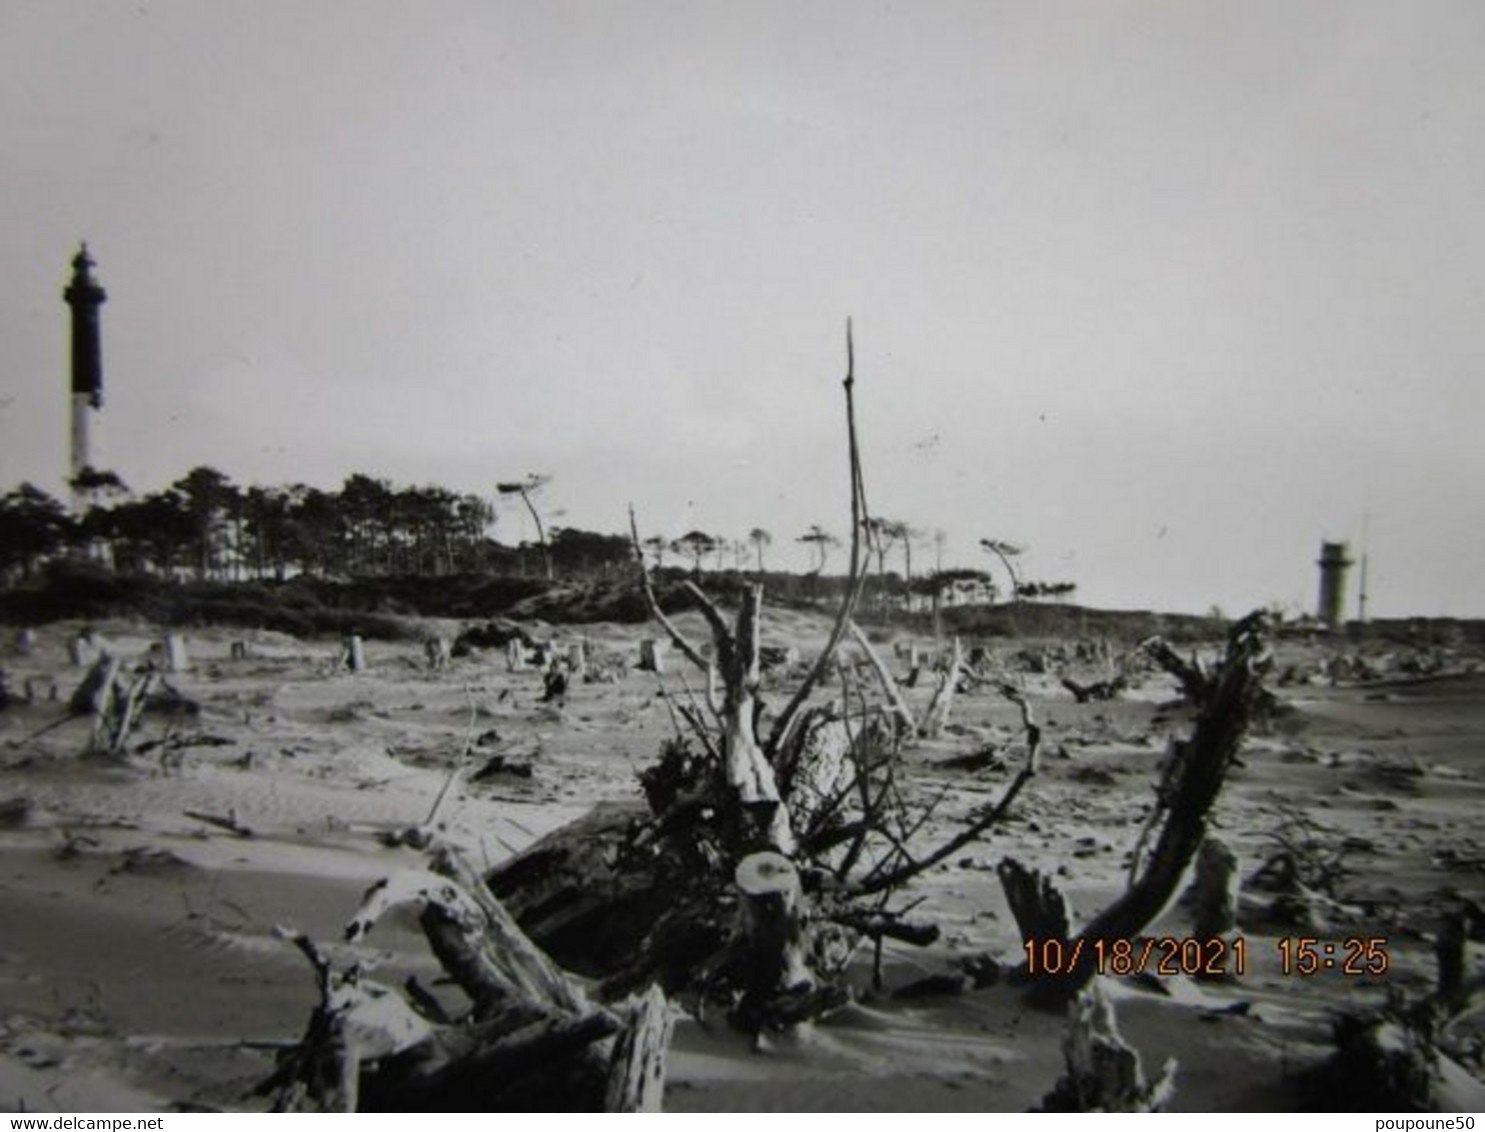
1335	560
84	296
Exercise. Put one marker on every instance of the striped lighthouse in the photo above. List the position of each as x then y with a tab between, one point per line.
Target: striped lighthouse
85	296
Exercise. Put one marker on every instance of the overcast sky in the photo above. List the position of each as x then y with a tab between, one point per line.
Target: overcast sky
1166	292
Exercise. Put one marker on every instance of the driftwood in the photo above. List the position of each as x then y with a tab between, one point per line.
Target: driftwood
1097	692
1104	1073
1195	771
1195	682
114	705
636	1080
1399	1058
1040	910
710	877
128	705
942	703
530	1039
227	822
907	867
907	722
1213	895
761	857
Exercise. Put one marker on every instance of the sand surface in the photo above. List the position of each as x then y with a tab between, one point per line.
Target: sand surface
139	967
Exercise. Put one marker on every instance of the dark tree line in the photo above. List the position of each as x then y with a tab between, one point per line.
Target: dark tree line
207	527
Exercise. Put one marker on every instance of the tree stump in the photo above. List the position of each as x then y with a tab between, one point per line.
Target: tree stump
80	652
25	642
1038	905
554	685
436	650
353	655
515	655
238	650
652	655
95	693
772	931
1213	895
577	659
1104	1073
176	660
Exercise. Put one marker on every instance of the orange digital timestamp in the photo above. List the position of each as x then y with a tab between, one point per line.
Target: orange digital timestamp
1169	956
1354	956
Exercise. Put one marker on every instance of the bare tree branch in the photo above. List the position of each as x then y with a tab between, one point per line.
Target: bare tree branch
984	821
889	685
855	577
677	638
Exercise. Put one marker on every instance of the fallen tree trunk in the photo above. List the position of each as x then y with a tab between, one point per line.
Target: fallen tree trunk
531	1039
636	1080
1194	776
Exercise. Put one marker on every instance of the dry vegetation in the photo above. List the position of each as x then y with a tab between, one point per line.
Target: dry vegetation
761	858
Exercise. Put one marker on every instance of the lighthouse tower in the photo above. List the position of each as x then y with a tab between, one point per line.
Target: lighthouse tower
84	296
1335	561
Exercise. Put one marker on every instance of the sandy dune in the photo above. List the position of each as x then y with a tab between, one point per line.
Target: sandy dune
138	965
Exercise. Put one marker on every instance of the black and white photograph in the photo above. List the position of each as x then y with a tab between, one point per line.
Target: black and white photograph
801	555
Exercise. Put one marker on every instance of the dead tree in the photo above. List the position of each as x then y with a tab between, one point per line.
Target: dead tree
716	885
1403	1057
113	703
1038	906
765	851
1194	773
530	1038
1194	681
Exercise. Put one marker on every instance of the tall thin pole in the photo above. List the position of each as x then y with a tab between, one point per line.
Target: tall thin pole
1361	596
